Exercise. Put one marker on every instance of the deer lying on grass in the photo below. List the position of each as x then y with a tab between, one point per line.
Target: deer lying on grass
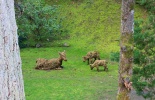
55	63
40	63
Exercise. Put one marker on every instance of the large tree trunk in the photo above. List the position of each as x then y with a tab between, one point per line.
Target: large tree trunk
126	49
11	80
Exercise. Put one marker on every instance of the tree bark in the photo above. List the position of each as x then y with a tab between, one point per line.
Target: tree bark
126	49
11	79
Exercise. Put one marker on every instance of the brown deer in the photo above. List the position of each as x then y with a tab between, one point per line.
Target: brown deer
55	63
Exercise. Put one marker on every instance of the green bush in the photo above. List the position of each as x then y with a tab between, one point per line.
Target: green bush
38	23
136	57
114	56
143	75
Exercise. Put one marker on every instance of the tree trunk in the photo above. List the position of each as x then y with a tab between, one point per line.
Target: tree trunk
11	79
126	49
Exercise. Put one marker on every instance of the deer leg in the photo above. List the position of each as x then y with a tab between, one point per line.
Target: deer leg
105	68
88	61
97	68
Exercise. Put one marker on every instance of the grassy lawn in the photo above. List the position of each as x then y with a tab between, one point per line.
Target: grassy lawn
75	82
93	25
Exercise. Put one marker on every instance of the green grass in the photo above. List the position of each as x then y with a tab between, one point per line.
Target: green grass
90	25
75	82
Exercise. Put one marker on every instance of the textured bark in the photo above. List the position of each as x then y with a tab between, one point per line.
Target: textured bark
126	48
11	80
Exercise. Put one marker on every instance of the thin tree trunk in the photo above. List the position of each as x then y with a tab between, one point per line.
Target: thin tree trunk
126	49
11	79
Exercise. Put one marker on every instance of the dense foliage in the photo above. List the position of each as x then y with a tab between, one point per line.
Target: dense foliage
144	72
37	23
114	56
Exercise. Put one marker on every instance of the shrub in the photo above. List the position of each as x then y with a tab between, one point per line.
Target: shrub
38	23
114	56
144	75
